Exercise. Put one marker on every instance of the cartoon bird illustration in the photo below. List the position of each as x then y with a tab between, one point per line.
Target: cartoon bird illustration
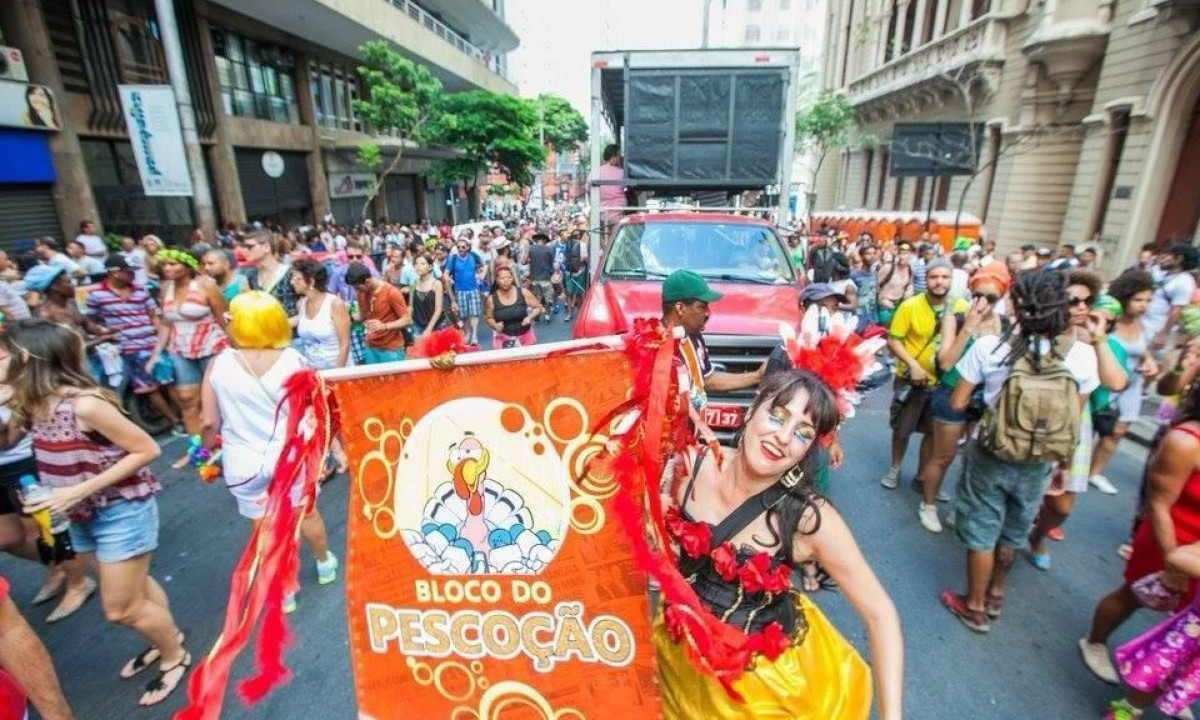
468	463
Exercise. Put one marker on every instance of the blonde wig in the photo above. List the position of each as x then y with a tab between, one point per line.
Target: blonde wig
258	321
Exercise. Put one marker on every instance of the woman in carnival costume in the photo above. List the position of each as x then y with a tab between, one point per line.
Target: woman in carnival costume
735	640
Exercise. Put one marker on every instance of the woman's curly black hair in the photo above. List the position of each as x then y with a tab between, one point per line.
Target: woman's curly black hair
785	517
1041	303
1130	283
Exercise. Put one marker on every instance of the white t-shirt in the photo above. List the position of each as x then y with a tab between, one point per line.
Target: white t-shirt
984	362
1172	291
92	245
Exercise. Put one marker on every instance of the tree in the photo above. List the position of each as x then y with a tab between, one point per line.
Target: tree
401	98
824	126
490	130
563	128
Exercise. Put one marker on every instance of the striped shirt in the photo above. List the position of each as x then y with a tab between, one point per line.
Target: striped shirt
131	317
67	456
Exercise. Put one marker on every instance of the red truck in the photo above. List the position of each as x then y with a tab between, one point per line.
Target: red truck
741	257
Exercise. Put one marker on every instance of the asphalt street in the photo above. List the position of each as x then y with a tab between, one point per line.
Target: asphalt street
1028	667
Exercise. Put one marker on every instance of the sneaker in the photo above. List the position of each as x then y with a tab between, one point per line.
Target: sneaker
975	620
891	479
1121	710
1125	551
1095	656
1056	534
289	604
942	495
1102	484
1041	561
929	518
327	569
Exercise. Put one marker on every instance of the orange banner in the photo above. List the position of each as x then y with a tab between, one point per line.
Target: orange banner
486	575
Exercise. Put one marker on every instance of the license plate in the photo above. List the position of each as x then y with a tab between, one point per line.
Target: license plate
723	416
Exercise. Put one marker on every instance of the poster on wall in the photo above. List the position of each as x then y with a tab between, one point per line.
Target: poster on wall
29	106
153	123
348	185
487	577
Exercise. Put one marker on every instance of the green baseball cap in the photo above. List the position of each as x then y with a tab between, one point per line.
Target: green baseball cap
687	285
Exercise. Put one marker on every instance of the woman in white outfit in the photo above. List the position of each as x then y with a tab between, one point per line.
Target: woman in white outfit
244	408
322	329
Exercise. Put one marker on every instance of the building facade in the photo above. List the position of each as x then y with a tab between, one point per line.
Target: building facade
1088	125
271	86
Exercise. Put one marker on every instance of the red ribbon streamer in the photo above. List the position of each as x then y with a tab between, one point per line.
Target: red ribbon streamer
268	567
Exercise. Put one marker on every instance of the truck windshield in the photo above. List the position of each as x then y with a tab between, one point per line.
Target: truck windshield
729	253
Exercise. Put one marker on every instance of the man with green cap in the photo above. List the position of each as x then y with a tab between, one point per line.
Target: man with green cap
685	300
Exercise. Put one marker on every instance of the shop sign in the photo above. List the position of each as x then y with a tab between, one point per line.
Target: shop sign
153	123
272	164
30	106
347	185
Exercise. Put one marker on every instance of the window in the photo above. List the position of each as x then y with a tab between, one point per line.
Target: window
868	159
785	5
782	35
883	169
729	253
754	5
1119	128
334	90
753	34
256	78
919	195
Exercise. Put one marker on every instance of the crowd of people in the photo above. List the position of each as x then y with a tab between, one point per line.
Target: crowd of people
1031	366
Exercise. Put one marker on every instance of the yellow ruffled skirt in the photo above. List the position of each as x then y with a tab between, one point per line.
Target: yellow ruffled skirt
820	678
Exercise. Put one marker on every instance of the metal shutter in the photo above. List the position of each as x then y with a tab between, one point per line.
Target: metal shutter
26	212
285	199
400	191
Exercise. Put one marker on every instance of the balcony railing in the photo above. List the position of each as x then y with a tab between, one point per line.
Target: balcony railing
439	28
981	41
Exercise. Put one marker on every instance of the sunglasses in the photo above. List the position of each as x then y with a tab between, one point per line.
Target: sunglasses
1077	301
991	299
354	257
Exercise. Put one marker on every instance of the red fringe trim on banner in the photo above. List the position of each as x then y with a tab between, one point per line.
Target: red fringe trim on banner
268	567
637	459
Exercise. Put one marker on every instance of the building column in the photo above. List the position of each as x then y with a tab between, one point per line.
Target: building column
901	25
939	19
919	23
318	186
202	204
220	155
964	13
880	39
25	28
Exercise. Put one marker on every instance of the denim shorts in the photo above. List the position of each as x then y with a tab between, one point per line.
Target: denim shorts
189	371
939	406
996	501
119	531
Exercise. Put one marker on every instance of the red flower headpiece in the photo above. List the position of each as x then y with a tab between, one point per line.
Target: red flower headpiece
839	356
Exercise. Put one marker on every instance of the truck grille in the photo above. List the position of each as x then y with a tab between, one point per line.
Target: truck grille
735	354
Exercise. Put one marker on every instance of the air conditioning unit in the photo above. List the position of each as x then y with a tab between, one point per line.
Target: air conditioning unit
12	64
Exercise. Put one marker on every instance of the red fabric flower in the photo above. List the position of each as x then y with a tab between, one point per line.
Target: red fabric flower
695	538
724	561
771	642
778	580
753	573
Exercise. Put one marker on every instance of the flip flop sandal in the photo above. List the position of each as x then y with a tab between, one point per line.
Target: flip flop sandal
178	671
143	660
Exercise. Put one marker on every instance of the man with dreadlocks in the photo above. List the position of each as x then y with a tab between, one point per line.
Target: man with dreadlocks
1035	377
